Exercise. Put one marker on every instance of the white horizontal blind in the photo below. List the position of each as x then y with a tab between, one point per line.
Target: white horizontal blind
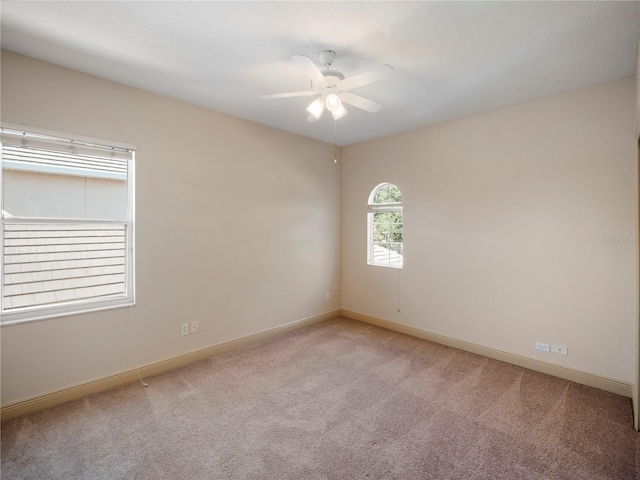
31	152
56	266
21	138
31	159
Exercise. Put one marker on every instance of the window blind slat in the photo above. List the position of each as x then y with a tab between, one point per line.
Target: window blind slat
24	158
67	160
17	138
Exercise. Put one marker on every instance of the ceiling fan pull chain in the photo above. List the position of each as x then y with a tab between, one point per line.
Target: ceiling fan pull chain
335	140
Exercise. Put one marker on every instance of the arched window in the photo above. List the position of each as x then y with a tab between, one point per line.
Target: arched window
384	218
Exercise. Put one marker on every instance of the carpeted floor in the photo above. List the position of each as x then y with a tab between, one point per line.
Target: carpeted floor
337	400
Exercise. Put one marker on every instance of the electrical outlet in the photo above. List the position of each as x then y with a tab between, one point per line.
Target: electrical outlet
562	350
327	296
184	329
194	327
543	347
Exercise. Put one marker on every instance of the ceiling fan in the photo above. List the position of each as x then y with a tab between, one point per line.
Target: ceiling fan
333	88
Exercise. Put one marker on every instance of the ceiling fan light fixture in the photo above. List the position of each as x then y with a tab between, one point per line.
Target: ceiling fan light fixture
339	112
316	108
331	87
333	102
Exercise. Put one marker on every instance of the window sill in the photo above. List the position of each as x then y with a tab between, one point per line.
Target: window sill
385	266
8	319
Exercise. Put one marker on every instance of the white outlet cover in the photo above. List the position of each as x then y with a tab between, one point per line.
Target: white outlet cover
184	329
194	327
543	347
561	349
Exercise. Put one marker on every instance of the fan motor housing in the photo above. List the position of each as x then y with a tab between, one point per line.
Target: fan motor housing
333	77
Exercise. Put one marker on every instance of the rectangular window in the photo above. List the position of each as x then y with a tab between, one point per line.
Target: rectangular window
386	237
67	224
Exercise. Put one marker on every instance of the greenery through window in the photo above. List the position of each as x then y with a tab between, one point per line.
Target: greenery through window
385	226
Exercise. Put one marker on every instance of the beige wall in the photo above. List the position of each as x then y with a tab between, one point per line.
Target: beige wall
33	194
505	214
637	77
636	389
237	226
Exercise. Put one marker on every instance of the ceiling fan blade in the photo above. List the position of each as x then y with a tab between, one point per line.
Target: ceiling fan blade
360	102
377	74
287	95
307	65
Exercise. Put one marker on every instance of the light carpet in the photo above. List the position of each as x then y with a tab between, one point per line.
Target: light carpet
336	400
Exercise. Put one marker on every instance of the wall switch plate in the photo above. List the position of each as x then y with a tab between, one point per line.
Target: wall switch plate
327	296
543	347
561	349
184	329
194	327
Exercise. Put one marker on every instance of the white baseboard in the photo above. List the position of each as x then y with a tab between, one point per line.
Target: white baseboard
55	398
603	383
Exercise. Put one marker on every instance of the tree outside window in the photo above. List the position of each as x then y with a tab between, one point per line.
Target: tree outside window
385	226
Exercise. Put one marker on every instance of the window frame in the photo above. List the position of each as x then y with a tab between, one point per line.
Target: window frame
372	209
74	307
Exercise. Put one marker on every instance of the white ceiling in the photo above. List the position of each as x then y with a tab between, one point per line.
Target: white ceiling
452	59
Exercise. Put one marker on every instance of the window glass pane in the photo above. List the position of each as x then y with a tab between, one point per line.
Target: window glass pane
66	225
381	232
395	217
91	188
396	247
386	226
388	194
52	263
380	252
395	232
382	217
394	194
395	254
382	195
